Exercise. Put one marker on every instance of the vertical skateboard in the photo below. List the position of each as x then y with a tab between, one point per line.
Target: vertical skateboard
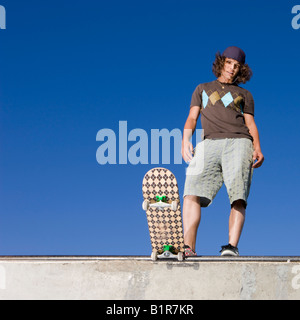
162	206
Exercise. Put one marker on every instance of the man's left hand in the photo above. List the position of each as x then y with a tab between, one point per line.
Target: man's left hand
258	159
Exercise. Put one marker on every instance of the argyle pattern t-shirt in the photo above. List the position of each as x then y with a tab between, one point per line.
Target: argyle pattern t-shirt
222	109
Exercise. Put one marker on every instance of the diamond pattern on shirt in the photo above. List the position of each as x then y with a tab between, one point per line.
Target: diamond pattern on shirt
210	98
214	97
227	99
204	98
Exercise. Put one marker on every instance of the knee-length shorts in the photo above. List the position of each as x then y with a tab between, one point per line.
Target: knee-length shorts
218	161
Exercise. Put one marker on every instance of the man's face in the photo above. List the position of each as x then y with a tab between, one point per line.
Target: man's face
230	70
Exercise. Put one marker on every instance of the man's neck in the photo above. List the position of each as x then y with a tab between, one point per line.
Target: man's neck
224	80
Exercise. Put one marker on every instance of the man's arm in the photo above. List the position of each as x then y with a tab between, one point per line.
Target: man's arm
189	128
257	154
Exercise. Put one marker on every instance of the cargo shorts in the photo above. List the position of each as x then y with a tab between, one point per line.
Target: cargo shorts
218	161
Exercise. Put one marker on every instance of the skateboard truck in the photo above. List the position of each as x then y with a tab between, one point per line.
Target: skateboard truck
161	203
169	252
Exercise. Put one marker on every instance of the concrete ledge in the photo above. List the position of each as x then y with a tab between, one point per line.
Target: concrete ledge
138	278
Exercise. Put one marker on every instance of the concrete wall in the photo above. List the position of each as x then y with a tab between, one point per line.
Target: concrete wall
138	278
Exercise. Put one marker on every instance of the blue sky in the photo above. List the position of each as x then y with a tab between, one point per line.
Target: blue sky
70	69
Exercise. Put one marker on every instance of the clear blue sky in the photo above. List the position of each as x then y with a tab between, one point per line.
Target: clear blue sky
70	68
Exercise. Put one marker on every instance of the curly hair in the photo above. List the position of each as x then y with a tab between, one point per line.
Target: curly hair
244	74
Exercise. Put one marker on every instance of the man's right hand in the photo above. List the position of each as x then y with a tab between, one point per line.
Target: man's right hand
190	126
187	151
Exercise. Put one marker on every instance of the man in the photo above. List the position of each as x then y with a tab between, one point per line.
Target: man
230	149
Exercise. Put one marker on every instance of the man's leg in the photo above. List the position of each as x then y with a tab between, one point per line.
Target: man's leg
236	222
237	174
191	219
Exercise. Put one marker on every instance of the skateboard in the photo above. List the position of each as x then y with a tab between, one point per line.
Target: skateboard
162	206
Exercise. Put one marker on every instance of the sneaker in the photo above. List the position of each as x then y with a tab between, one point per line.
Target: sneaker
229	250
188	252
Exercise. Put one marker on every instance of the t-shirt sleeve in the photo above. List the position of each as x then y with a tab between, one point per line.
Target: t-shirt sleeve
249	103
197	98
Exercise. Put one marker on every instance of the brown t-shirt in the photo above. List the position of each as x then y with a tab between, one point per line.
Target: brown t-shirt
222	109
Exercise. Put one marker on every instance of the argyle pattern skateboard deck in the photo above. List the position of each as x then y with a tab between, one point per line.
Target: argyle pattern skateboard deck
165	224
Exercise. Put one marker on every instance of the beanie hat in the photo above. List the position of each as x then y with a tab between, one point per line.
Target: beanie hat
235	53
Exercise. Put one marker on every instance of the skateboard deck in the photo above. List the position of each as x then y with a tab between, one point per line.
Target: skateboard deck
162	206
